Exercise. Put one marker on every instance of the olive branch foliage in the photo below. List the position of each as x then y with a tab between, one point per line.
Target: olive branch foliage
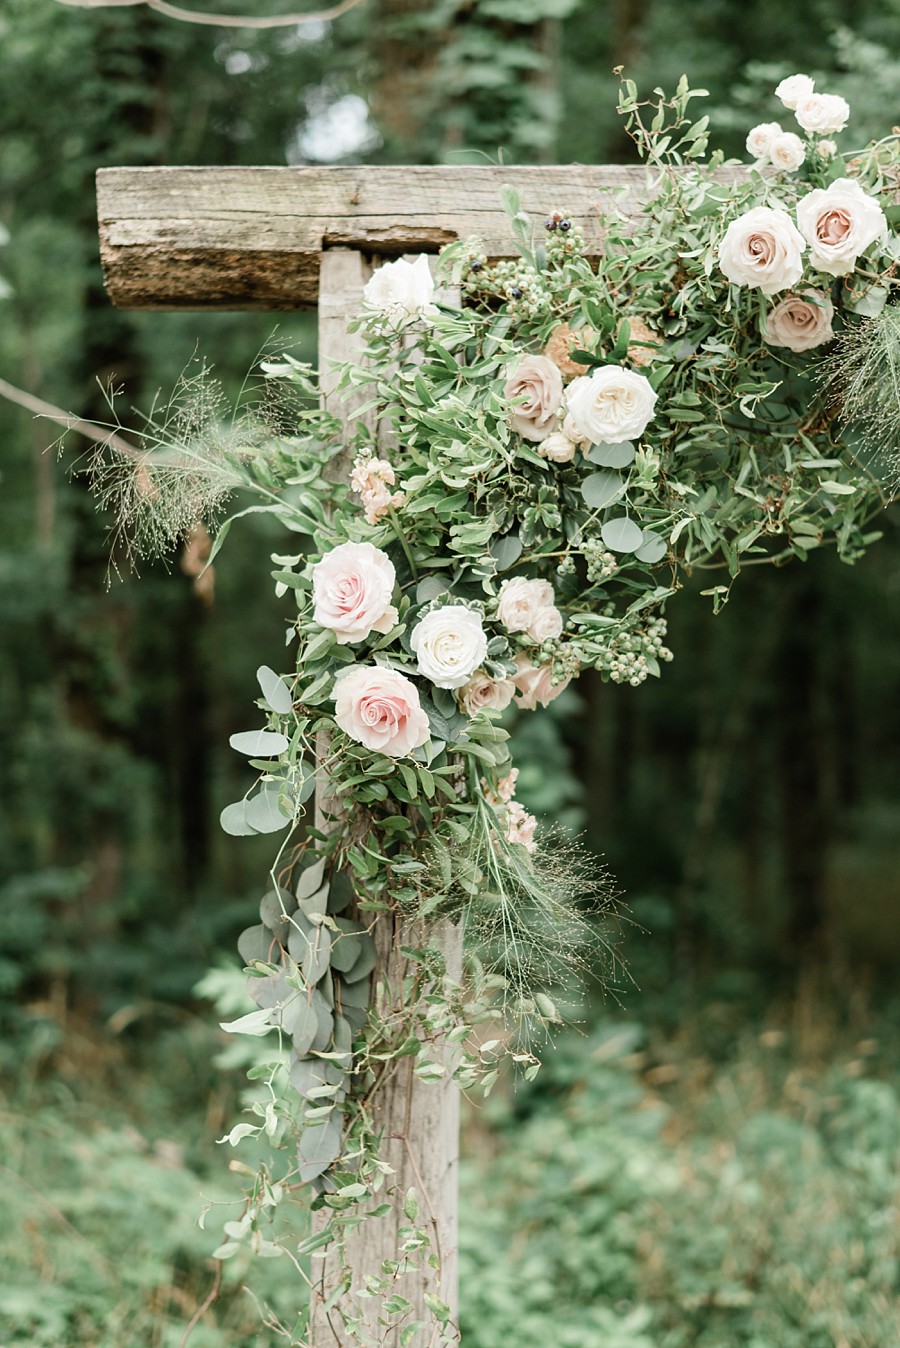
755	455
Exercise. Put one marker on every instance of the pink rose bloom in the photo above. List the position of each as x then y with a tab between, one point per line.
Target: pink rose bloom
535	684
352	588
523	605
380	709
538	381
839	222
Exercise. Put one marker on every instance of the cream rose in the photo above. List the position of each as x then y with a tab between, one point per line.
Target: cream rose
558	448
839	222
787	152
611	404
482	693
449	644
380	709
401	290
800	322
759	140
352	588
525	605
534	684
792	89
762	249
538	381
822	114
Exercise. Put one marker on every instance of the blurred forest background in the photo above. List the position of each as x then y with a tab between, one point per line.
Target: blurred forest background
713	1160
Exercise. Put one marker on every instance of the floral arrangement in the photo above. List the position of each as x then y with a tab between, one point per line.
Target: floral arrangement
536	466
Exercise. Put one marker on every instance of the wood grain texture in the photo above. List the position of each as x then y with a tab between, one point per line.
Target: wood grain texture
253	238
419	1120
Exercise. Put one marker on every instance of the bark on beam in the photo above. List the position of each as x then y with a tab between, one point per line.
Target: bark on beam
252	238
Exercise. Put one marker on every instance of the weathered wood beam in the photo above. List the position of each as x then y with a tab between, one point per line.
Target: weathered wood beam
252	238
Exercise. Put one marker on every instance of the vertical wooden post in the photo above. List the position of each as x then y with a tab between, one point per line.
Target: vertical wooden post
419	1120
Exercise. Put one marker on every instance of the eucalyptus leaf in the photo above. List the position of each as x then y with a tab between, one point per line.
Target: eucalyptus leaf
429	588
652	549
365	961
256	943
233	820
274	690
259	743
275	909
319	1147
601	489
612	456
264	812
311	879
622	534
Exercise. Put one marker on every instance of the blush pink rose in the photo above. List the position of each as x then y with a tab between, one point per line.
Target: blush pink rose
839	222
352	589
534	684
380	709
538	381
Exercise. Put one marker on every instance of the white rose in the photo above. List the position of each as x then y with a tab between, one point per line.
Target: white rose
534	684
401	290
839	222
449	644
762	249
611	404
572	432
792	89
787	152
380	709
760	139
521	600
822	114
482	693
558	448
800	322
827	149
352	588
547	625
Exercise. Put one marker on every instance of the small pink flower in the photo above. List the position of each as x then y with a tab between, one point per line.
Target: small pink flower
520	826
352	589
372	478
380	709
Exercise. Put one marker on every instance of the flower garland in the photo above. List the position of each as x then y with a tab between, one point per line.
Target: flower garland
535	470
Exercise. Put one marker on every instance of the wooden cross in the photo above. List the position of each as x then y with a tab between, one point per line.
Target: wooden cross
300	238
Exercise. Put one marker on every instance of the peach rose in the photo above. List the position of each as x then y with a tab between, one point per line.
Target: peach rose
534	684
562	341
352	588
380	709
800	322
762	249
539	382
642	342
482	693
839	222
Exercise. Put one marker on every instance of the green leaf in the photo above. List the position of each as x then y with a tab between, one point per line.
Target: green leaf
622	534
411	1205
601	489
652	549
612	456
264	813
259	743
274	690
506	551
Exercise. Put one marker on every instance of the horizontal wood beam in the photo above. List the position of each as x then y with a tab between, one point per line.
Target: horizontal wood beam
252	238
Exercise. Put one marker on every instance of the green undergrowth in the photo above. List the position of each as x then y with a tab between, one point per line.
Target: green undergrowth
731	1185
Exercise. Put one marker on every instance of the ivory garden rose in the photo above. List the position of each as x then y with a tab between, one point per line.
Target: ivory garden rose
401	290
352	589
839	223
536	385
822	114
792	89
800	322
760	139
763	249
449	645
380	709
611	404
527	605
787	152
